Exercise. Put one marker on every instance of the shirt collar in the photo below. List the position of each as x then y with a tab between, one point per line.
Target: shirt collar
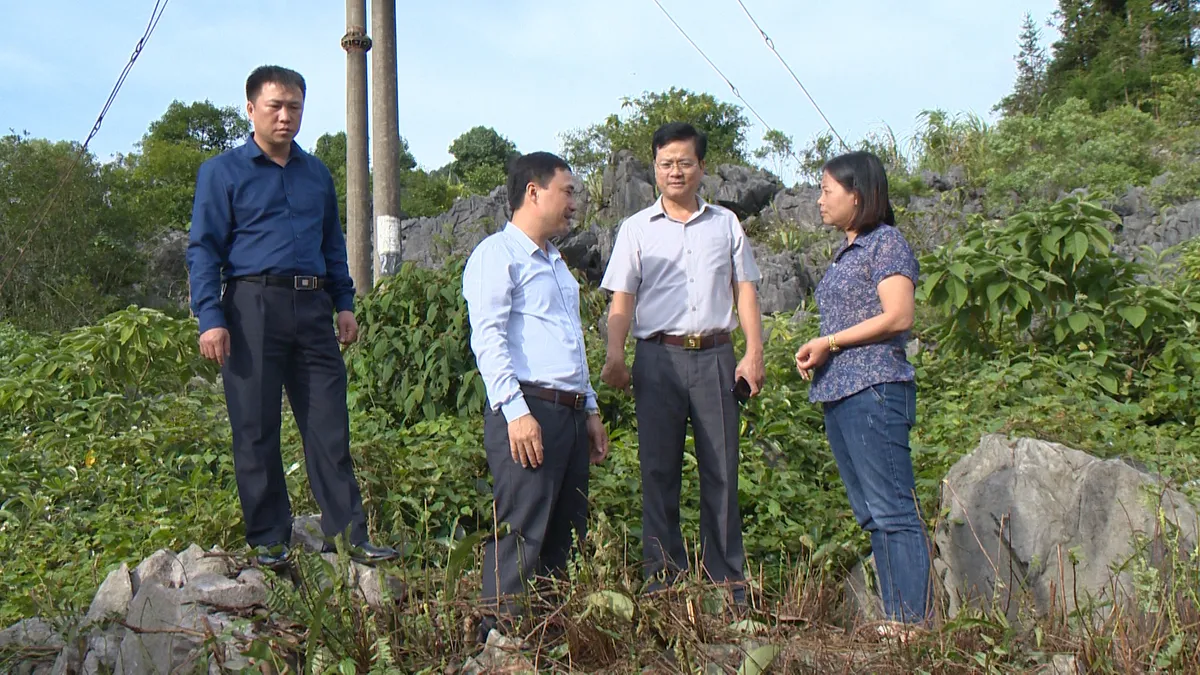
860	240
252	151
528	245
657	210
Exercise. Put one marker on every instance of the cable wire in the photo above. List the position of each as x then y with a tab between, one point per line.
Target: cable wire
732	88
771	45
52	197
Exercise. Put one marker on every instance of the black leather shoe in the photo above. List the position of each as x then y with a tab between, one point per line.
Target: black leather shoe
272	556
366	553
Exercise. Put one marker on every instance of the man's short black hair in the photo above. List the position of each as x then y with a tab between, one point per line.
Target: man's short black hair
536	167
263	75
863	174
679	131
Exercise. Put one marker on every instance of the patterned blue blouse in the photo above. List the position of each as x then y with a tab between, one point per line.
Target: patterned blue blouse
848	295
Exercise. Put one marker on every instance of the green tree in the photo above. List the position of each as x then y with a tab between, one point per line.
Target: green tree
1031	72
424	194
201	124
587	150
156	183
331	150
777	147
1110	51
69	257
481	157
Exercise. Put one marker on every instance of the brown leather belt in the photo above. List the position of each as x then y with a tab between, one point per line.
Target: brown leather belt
692	341
569	399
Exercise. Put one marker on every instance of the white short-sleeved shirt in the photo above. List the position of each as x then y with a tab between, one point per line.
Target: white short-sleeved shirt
682	273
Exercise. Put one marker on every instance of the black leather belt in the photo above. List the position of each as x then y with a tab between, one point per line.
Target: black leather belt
567	398
692	341
299	283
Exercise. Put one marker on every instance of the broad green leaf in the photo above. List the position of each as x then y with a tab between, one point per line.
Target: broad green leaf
1134	314
958	293
759	660
1108	382
1079	321
995	290
1079	246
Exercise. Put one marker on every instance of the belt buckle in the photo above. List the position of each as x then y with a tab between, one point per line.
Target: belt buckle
692	341
304	283
580	401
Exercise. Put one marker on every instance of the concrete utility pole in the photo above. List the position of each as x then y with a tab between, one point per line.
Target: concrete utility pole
358	195
385	132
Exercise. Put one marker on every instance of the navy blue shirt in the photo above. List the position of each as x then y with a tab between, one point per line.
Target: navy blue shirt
848	295
252	216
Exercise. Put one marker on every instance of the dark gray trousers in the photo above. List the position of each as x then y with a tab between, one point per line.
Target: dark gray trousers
283	338
672	386
542	505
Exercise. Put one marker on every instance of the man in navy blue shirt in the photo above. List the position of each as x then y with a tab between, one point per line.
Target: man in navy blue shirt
267	265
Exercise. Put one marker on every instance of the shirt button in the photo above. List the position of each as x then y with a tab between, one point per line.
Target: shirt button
689	250
692	280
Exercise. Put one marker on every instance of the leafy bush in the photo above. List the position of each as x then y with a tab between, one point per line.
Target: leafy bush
413	357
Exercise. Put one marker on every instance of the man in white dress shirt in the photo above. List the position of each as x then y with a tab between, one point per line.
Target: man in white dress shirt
677	270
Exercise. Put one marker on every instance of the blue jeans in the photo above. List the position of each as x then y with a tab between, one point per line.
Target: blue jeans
868	433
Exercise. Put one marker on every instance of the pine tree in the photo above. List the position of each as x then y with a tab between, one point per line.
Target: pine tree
1031	72
1110	51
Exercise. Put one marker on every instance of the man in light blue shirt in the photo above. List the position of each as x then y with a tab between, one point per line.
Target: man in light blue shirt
541	423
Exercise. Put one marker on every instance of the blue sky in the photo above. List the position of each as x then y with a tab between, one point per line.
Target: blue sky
530	70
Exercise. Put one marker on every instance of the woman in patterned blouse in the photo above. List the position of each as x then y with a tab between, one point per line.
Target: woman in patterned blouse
861	375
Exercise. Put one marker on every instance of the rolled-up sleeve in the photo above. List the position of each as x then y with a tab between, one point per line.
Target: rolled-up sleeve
744	266
333	248
624	271
488	290
208	245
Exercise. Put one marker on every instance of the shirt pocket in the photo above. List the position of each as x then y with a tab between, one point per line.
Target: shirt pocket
716	253
308	200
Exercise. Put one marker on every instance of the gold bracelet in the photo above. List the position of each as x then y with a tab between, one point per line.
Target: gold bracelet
833	346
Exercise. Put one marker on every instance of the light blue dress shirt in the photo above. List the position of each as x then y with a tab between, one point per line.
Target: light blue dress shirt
523	304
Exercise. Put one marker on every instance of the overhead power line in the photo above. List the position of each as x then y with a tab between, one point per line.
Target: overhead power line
771	45
52	197
732	88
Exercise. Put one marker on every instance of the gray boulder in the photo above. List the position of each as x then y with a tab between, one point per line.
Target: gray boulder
160	638
1019	509
30	634
162	567
215	590
741	189
955	177
785	282
796	206
113	596
165	284
196	562
627	187
307	534
429	241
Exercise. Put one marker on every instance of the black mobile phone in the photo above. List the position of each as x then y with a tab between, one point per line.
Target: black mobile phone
741	390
